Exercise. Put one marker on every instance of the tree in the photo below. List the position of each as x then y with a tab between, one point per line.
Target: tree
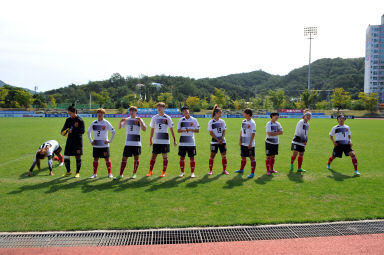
53	102
267	103
192	102
3	94
39	101
340	98
277	98
166	97
101	98
256	103
219	97
370	100
23	98
309	98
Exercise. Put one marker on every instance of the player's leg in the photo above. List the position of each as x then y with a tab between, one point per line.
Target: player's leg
272	168
293	157
78	162
95	166
354	161
108	164
182	166
300	162
224	162
122	167
192	164
212	158
67	163
152	163
136	163
253	165
165	164
268	164
335	153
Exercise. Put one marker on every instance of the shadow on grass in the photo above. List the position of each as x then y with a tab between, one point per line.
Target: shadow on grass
264	179
295	176
236	181
168	184
130	184
206	179
339	176
36	172
42	185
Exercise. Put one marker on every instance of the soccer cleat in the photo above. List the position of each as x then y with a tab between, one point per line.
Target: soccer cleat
119	177
67	174
301	170
51	174
61	164
273	171
329	166
268	173
93	176
77	175
251	175
193	175
291	169
210	173
239	171
357	173
181	174
162	174
110	176
225	172
149	173
133	176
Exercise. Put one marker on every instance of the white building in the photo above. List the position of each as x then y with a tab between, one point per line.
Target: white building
374	60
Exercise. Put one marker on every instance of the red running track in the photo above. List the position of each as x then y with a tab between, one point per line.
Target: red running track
340	245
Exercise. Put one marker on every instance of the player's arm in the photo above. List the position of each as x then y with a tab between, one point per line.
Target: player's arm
65	125
350	141
89	134
121	123
179	130
222	137
142	124
50	163
151	136
32	166
113	131
332	140
251	141
213	136
241	132
173	136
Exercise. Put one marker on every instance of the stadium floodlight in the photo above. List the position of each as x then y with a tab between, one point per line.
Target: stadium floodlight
310	32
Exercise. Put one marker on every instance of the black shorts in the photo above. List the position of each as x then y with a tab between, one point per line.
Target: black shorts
190	149
57	152
271	149
216	147
130	151
296	147
339	149
73	148
101	152
246	152
160	148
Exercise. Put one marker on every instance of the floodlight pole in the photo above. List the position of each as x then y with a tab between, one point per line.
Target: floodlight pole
310	31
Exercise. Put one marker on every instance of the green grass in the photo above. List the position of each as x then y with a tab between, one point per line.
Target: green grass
43	202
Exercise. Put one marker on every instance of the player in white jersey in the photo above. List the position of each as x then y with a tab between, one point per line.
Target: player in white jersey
247	142
100	128
160	123
273	129
216	128
343	143
300	140
187	127
47	149
133	125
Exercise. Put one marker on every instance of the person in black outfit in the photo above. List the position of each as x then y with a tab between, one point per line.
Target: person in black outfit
74	128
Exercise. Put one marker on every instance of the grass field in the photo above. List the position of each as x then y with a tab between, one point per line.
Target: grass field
45	202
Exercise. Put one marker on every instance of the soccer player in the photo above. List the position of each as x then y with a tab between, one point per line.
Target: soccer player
133	125
300	140
247	142
47	149
160	123
74	129
342	144
273	129
187	126
216	128
100	128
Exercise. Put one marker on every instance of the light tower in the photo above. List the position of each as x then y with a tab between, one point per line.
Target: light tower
310	32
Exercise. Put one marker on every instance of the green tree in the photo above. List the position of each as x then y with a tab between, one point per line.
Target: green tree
277	98
256	102
204	104
219	97
267	103
101	98
166	97
39	101
322	105
53	102
309	98
370	100
236	105
3	95
340	98
192	102
23	98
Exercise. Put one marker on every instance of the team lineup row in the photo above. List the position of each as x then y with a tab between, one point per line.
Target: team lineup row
187	126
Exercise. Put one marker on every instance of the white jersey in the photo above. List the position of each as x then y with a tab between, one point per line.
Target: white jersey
301	133
100	133
217	127
247	129
133	127
161	125
341	133
273	127
187	138
54	146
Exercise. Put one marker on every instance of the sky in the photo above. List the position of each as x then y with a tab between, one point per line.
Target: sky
51	44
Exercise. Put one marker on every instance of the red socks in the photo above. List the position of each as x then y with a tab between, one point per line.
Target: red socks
192	162
135	165
330	160
224	162
253	165
108	164
165	164
152	163
243	163
210	164
293	159
272	164
267	164
354	162
95	166
299	161
182	165
122	167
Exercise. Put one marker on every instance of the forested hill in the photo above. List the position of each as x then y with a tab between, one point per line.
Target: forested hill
326	74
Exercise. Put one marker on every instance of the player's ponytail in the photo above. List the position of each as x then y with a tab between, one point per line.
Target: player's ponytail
216	109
